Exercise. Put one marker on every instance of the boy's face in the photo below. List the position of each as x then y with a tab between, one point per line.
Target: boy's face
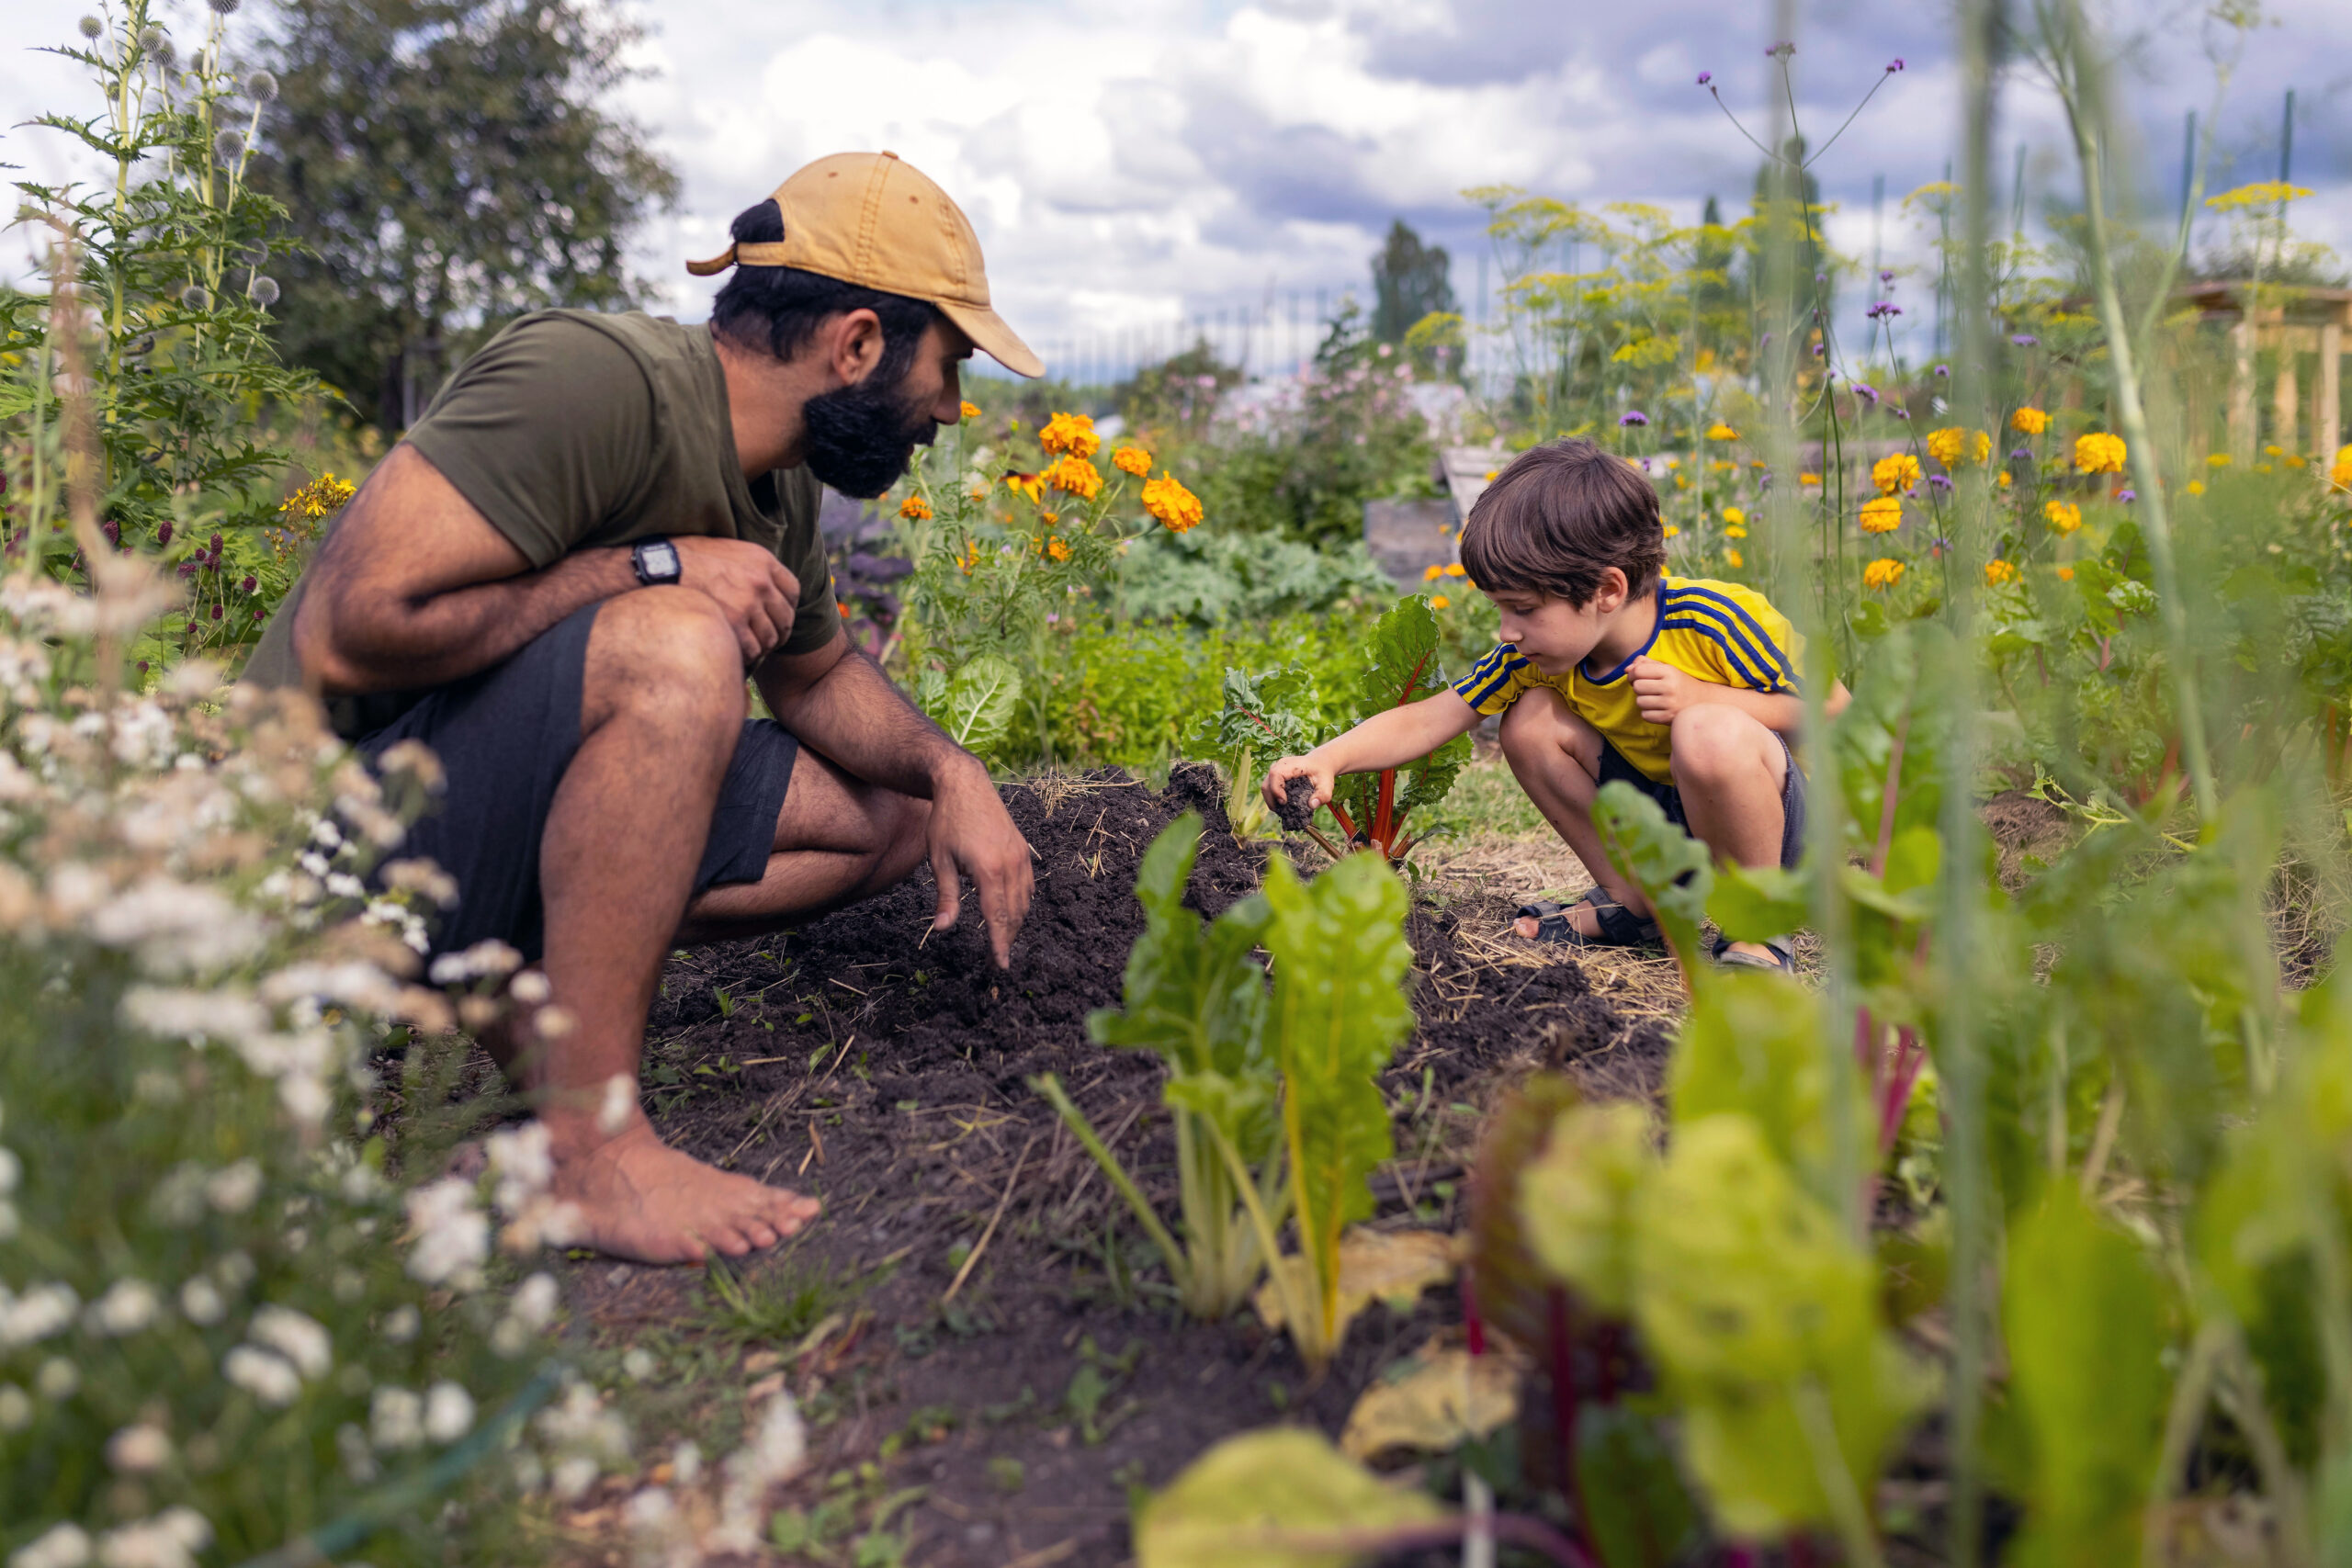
1552	634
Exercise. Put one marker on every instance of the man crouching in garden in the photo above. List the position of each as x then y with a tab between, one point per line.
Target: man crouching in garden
557	581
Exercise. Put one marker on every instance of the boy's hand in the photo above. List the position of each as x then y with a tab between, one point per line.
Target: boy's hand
1661	691
1277	786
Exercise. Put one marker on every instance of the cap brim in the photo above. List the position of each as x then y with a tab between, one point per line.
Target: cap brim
992	337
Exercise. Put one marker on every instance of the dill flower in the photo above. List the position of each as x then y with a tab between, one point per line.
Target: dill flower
2029	422
970	410
1171	503
1897	471
915	508
1881	515
1132	461
2064	516
1076	476
1070	435
1998	572
1719	430
1883	573
2098	453
1954	446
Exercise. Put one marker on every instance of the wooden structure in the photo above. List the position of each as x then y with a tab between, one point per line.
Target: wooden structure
2302	322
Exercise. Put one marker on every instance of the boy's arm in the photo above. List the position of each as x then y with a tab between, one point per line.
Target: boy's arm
1662	691
1388	739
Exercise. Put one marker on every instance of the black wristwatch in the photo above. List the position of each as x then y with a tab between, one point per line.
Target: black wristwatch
656	560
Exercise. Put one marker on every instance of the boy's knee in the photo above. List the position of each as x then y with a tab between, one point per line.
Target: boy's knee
1714	742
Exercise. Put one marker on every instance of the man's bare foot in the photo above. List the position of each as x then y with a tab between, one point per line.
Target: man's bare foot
640	1199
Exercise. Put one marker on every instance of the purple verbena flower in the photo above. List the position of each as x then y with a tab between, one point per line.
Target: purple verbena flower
2127	495
1886	275
1899	411
2024	340
1705	77
1819	350
1632	416
1939	546
1942	371
1883	307
2020	454
1939	482
1893	65
1865	390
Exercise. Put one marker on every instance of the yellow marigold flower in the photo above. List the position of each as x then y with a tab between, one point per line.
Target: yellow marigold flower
2003	479
1493	474
1456	569
1438	602
1881	515
914	507
2098	453
1954	446
1672	530
1132	461
1432	573
1731	557
2273	450
1809	480
2065	574
1169	502
1883	572
2029	422
2297	460
2197	487
1069	435
1734	532
2064	516
1031	485
970	410
1076	476
1734	516
1719	430
1996	572
1899	471
1057	547
2340	476
2217	459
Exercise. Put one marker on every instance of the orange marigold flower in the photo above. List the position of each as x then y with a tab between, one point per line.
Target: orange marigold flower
1896	472
1076	476
1132	461
1070	435
914	507
2002	479
2065	574
1883	573
1734	532
2064	516
2098	453
1432	573
1731	557
1169	502
1456	569
1719	430
970	410
1881	515
1438	601
1997	571
2340	476
1057	547
2029	422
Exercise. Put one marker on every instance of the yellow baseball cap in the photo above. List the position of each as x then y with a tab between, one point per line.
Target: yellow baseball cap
874	220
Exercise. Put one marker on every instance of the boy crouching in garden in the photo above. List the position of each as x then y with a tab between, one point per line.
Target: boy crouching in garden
1608	670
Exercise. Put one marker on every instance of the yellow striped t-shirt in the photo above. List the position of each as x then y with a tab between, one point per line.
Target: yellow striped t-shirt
1722	632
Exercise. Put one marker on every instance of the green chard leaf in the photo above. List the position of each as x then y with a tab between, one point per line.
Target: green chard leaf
1400	657
981	699
1265	1500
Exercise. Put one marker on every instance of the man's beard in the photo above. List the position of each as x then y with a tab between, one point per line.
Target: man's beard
859	439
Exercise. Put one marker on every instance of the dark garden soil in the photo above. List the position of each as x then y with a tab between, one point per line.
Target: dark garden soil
1025	1402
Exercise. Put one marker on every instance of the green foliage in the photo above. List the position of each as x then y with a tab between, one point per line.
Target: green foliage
156	299
1219	575
1638	1510
2085	1318
1265	718
446	165
1400	663
1260	1501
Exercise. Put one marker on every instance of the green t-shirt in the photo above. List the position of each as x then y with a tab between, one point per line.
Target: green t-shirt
573	430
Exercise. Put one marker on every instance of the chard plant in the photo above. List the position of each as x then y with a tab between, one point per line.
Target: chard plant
1265	718
1273	1095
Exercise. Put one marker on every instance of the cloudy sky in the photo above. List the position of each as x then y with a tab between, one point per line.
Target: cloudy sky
1131	165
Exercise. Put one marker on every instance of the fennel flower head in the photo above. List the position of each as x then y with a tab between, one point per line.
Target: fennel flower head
1881	515
1896	472
1171	503
1070	435
2098	453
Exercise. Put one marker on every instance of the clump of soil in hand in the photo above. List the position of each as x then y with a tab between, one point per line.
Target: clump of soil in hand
1297	808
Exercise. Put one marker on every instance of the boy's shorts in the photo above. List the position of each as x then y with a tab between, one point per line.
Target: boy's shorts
1614	768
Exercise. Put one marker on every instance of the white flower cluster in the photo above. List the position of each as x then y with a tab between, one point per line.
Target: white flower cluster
581	1439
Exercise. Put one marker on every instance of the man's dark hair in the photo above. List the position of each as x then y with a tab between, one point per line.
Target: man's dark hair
779	308
1558	517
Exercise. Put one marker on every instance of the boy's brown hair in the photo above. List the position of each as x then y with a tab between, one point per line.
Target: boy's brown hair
1558	517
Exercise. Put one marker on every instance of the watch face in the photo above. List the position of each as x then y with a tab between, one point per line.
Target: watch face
662	559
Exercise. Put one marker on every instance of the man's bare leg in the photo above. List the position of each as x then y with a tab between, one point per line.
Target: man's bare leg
1556	756
1731	771
837	840
661	707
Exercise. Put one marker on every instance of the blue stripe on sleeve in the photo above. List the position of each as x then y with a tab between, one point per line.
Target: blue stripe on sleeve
1739	614
1714	634
1490	676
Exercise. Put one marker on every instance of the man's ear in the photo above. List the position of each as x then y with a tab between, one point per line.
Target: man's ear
852	345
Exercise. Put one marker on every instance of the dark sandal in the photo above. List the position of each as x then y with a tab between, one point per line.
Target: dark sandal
1782	962
1619	928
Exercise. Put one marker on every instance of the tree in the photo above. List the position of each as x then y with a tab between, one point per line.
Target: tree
447	164
1409	281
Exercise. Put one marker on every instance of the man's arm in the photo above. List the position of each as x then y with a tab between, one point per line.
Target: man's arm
415	588
1662	691
841	706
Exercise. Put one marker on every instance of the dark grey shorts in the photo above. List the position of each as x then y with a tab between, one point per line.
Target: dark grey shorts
505	738
1614	767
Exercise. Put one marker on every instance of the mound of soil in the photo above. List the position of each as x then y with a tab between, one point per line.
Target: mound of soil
887	1069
